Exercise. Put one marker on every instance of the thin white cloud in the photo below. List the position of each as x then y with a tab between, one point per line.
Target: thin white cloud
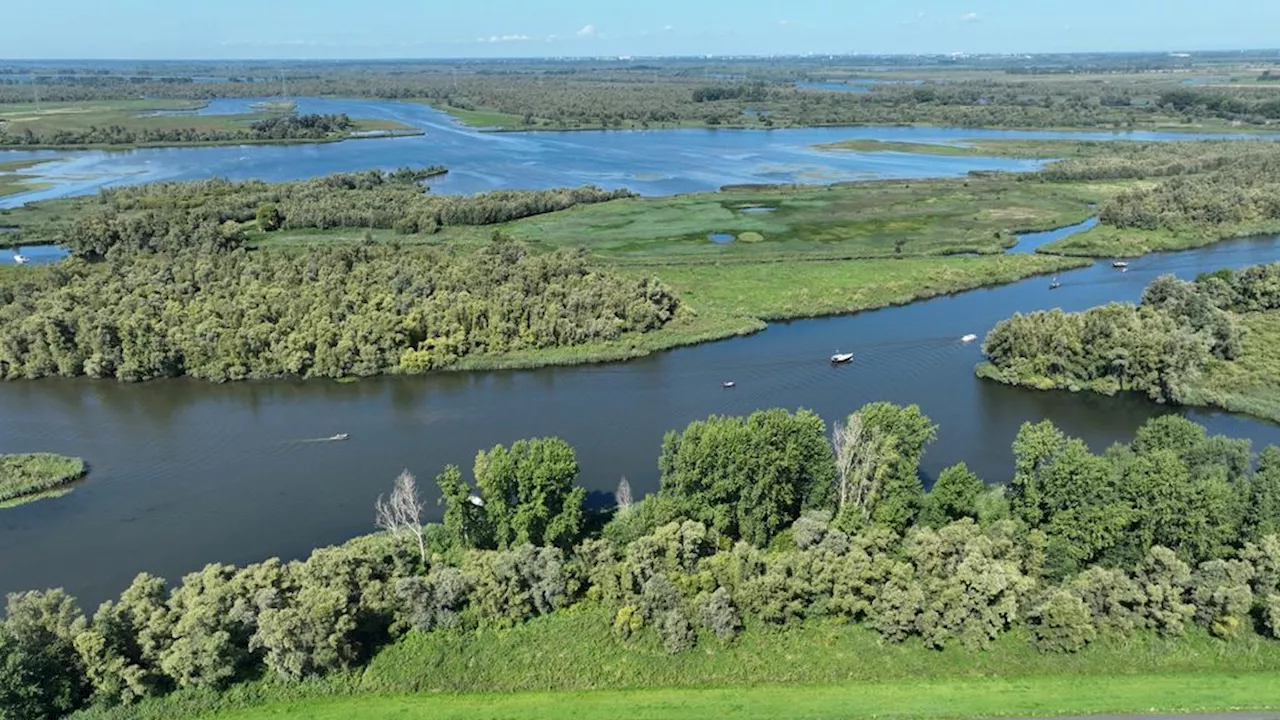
269	43
969	17
588	31
503	39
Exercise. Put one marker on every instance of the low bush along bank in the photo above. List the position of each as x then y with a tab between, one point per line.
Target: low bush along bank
763	523
26	475
1207	342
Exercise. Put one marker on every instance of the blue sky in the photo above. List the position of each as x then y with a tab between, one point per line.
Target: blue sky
305	29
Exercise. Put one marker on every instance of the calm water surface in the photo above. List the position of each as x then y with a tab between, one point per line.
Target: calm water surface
652	162
185	473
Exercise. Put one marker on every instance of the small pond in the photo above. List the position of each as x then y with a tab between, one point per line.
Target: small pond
32	255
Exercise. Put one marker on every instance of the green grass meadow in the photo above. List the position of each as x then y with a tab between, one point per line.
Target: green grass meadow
1028	697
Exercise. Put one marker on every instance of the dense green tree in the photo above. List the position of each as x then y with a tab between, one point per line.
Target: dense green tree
1062	623
748	478
954	495
121	648
41	674
1262	512
269	217
523	495
905	432
337	607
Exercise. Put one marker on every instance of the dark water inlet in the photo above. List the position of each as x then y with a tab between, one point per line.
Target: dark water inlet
186	473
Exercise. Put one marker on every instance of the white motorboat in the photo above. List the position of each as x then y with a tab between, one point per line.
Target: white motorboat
728	384
19	259
841	358
969	338
1121	264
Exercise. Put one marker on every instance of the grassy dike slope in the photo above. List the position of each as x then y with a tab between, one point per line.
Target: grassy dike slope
570	665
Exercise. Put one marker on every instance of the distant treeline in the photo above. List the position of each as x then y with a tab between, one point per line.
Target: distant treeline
614	97
284	127
1203	185
759	525
1158	347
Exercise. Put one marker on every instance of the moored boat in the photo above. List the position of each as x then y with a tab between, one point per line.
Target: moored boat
1121	264
19	259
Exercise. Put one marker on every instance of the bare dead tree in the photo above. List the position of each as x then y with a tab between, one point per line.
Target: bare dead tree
401	514
623	496
858	451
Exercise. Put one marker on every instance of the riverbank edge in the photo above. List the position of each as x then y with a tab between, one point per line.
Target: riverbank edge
1175	241
726	328
49	486
1198	397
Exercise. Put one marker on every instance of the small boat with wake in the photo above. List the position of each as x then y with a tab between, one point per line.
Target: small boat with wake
841	358
339	437
1055	284
968	338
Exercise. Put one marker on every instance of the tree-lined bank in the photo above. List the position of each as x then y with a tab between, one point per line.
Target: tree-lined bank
759	523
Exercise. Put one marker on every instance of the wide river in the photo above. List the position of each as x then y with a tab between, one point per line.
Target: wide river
185	473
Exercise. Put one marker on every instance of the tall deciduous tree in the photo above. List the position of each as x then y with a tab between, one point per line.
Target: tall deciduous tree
905	432
955	495
748	478
525	494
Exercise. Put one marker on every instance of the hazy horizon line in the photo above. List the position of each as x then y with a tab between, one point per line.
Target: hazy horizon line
680	56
